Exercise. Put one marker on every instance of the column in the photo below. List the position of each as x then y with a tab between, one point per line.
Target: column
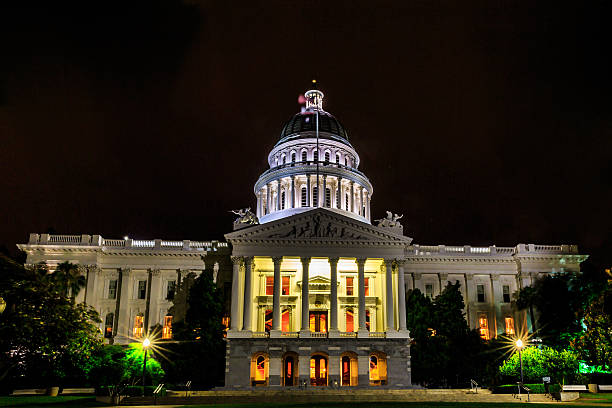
276	312
401	292
325	191
361	204
363	332
235	311
268	200
389	295
155	289
495	306
292	191
124	325
333	320
339	193
320	196
278	195
305	332
308	190
90	289
248	301
352	196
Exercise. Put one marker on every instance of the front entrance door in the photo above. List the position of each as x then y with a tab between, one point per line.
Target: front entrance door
318	321
346	370
318	371
289	371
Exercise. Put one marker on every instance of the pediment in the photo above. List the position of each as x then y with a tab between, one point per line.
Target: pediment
317	226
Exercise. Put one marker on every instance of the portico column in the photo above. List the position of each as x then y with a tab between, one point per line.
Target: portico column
235	312
319	195
401	294
325	191
361	204
363	332
278	195
352	196
276	321
339	194
305	332
292	191
333	321
389	294
248	303
308	190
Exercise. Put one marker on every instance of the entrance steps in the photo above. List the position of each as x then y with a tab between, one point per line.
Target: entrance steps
312	395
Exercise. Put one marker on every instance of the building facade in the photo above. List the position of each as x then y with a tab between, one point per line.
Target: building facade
316	292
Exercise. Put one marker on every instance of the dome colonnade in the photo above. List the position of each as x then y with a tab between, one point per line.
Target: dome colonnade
312	156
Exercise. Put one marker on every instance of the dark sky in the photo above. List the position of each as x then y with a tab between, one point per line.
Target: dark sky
485	122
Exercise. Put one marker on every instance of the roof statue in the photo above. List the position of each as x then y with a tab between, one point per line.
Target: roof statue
246	217
391	221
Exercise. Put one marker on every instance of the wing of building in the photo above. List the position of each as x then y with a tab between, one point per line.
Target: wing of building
318	293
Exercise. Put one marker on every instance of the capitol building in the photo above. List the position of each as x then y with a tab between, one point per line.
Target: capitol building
316	288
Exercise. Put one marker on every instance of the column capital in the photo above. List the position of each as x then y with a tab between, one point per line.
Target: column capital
361	261
248	260
400	262
417	276
237	260
126	271
469	277
305	259
443	276
155	271
389	262
334	261
277	259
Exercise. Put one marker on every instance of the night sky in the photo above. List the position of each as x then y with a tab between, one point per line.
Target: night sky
484	122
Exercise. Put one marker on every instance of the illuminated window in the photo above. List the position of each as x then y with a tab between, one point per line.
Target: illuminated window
315	195
483	326
506	293
318	322
316	156
283	200
167	330
286	288
349	286
108	325
429	291
225	321
268	320
170	290
304	155
304	202
138	326
374	375
269	285
350	321
142	289
327	197
260	370
480	293
367	320
509	325
285	320
327	157
366	283
112	289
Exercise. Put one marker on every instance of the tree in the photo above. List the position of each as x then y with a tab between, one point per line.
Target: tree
44	335
68	278
200	338
562	366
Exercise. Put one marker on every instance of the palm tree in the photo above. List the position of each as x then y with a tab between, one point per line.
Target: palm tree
69	280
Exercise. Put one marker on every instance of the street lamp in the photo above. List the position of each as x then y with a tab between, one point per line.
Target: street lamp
519	345
145	345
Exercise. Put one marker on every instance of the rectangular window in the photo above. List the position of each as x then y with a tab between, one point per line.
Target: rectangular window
112	289
349	286
167	330
480	293
429	291
108	325
327	197
366	283
138	326
269	285
285	320
170	290
268	320
509	325
367	320
286	288
350	322
315	196
483	327
506	292
142	289
304	201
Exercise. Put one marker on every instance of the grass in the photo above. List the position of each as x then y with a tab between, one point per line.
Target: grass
396	405
600	398
31	401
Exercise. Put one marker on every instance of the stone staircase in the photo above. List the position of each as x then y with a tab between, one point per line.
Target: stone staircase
304	396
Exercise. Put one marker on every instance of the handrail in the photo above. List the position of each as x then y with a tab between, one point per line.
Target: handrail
474	386
521	385
156	393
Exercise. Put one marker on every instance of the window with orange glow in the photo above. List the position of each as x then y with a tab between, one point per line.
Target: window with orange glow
268	320
349	286
138	326
509	325
374	375
260	369
483	327
285	319
167	330
366	283
269	285
367	320
285	290
108	325
350	327
318	322
225	321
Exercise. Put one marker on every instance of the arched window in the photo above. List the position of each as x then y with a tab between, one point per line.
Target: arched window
346	207
378	369
259	369
327	157
316	155
304	155
283	200
338	158
167	329
346	162
327	197
303	200
283	158
292	157
315	196
108	325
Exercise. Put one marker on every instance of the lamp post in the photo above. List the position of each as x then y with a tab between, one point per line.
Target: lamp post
145	345
519	346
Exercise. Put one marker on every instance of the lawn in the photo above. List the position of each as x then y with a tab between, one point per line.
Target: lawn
596	398
49	402
398	405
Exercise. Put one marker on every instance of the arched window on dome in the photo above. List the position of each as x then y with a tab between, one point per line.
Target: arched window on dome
327	197
346	204
327	156
283	196
346	161
283	158
292	158
316	155
337	158
303	199
315	196
304	155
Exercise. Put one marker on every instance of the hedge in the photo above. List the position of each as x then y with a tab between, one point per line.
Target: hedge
537	388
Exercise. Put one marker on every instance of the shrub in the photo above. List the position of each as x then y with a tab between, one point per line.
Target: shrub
561	366
538	388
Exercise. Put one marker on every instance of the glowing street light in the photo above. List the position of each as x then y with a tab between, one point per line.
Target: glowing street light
145	346
519	345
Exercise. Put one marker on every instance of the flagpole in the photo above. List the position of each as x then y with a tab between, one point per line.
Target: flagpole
318	152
